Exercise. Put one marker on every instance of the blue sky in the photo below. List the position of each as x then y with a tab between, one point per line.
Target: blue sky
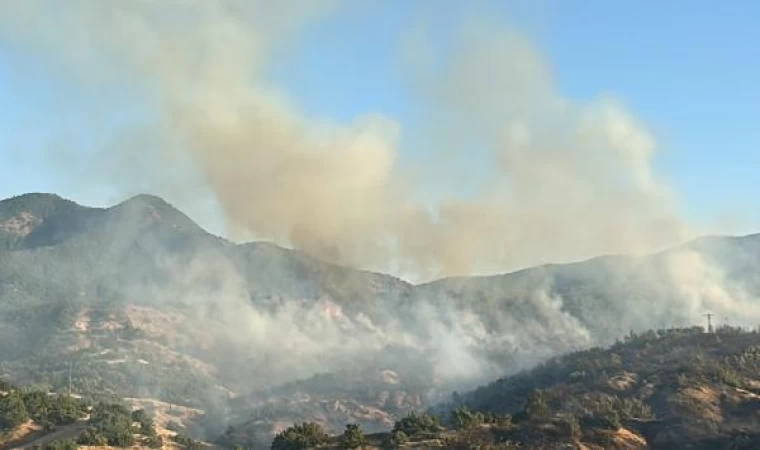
687	69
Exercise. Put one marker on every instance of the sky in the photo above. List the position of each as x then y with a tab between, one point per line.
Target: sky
687	69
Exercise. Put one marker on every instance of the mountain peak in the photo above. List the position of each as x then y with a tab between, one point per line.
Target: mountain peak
22	214
154	209
38	204
147	199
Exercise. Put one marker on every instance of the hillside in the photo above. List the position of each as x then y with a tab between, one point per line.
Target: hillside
674	388
137	300
38	419
677	387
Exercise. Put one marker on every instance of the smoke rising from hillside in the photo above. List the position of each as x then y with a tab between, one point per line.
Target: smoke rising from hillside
570	180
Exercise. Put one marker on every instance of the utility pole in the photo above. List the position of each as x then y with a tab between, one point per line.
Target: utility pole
709	322
70	363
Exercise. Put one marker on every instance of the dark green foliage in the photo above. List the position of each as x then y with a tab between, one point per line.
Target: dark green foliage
92	437
676	388
536	408
154	441
147	427
418	423
5	384
173	425
114	422
300	436
602	419
478	440
396	439
610	411
13	411
463	418
39	206
53	409
569	426
60	445
187	442
353	437
140	416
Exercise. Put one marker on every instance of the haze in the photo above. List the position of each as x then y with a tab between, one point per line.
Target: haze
485	163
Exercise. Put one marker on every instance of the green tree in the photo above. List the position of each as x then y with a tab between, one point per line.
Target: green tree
396	439
53	409
61	445
353	437
299	436
536	408
154	441
114	422
188	442
139	415
12	411
418	423
91	437
465	419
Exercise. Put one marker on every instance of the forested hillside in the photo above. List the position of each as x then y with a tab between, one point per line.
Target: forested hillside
31	417
137	300
673	388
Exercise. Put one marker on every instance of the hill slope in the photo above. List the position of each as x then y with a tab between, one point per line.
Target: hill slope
674	388
679	388
137	300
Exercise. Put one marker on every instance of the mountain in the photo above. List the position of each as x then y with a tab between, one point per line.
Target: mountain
137	300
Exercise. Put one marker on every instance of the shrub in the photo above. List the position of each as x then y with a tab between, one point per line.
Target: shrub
605	419
418	423
187	442
174	426
464	419
139	415
93	438
353	437
56	409
154	441
396	439
61	445
12	411
569	426
299	436
477	440
114	422
536	407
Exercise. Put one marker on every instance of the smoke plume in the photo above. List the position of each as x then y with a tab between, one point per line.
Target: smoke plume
564	179
569	180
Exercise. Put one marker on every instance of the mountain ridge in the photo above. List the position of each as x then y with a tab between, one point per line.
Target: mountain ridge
144	200
142	302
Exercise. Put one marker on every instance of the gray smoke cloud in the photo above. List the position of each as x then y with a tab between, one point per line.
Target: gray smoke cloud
567	180
570	179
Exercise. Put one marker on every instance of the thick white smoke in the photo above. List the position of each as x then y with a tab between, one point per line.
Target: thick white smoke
570	179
